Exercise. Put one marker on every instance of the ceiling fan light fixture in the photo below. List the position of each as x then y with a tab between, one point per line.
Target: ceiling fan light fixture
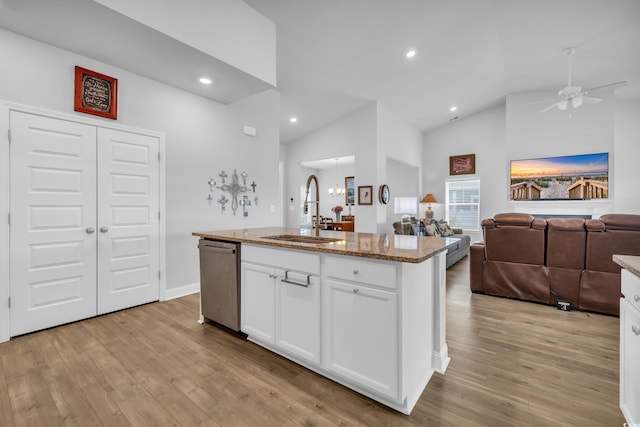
577	101
563	105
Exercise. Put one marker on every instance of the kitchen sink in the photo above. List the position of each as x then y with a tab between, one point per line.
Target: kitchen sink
303	239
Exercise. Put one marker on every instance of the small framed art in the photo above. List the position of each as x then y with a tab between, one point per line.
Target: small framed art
462	165
350	190
364	195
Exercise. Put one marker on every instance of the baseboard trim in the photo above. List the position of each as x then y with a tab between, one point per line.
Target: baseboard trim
181	291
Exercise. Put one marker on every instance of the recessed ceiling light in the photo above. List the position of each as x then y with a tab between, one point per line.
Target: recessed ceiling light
410	54
205	81
293	119
453	108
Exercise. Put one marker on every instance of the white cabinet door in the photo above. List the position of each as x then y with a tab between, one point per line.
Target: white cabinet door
128	208
360	335
630	362
257	315
298	316
84	235
53	222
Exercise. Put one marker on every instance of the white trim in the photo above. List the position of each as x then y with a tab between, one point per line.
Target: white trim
79	118
181	291
594	207
5	257
5	314
163	218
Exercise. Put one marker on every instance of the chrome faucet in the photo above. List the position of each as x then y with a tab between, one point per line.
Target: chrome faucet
317	202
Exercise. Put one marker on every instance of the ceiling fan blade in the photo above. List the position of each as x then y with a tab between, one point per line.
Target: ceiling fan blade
554	105
610	85
546	101
591	99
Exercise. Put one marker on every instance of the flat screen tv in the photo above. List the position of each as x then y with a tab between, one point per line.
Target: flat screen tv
580	177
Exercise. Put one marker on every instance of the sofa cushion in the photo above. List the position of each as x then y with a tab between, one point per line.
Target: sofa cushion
609	235
509	243
600	291
566	242
522	281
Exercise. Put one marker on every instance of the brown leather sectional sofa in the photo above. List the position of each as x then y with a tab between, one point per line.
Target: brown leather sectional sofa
555	259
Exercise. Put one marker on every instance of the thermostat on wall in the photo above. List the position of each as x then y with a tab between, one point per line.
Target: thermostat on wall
249	130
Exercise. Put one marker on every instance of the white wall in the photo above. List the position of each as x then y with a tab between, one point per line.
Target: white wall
404	181
373	134
627	155
353	134
202	139
517	130
482	134
399	143
208	25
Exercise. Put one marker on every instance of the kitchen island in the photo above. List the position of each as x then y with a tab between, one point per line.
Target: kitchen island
365	310
629	337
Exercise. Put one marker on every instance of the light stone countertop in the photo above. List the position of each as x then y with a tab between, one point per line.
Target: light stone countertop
391	247
629	262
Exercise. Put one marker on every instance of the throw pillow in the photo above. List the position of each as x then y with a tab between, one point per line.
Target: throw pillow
432	230
445	230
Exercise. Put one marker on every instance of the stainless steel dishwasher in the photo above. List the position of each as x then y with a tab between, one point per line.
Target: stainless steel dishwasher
220	282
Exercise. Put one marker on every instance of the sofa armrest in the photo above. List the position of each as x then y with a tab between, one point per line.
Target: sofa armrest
476	266
456	230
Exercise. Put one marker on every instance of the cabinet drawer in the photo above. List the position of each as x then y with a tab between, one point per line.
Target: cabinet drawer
631	288
376	273
285	259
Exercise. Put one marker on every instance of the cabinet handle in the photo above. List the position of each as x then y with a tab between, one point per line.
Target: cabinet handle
90	230
104	229
635	329
636	298
355	272
356	290
292	282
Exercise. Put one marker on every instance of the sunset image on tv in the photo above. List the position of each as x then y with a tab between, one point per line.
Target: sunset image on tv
583	176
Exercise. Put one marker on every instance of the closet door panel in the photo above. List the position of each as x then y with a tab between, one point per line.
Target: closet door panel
128	206
53	213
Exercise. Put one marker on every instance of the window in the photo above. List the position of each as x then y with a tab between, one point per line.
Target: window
462	204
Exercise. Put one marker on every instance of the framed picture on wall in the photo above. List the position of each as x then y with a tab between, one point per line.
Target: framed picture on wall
364	195
95	94
349	190
462	165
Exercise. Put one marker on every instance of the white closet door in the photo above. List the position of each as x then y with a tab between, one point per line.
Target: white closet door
53	213
128	206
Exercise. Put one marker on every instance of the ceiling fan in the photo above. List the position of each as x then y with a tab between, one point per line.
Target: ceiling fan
574	96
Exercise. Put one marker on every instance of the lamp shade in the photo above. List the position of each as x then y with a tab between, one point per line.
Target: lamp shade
429	198
405	205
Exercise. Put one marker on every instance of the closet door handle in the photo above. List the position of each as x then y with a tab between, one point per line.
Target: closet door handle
90	230
104	229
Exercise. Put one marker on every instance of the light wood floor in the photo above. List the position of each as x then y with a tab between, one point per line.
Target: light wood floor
513	364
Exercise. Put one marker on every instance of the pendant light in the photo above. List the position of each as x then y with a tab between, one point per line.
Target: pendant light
337	190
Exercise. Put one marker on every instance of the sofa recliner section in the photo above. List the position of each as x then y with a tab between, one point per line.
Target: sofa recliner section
514	257
558	259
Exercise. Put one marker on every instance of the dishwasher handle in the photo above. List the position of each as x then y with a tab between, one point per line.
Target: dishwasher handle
216	249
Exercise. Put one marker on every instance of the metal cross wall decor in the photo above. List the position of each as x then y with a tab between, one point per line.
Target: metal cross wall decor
234	188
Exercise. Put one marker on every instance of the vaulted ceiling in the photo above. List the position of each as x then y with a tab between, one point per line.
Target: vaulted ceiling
335	56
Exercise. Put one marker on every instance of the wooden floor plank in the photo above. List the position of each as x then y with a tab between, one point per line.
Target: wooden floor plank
512	363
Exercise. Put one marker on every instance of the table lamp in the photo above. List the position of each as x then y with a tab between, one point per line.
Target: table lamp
429	198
